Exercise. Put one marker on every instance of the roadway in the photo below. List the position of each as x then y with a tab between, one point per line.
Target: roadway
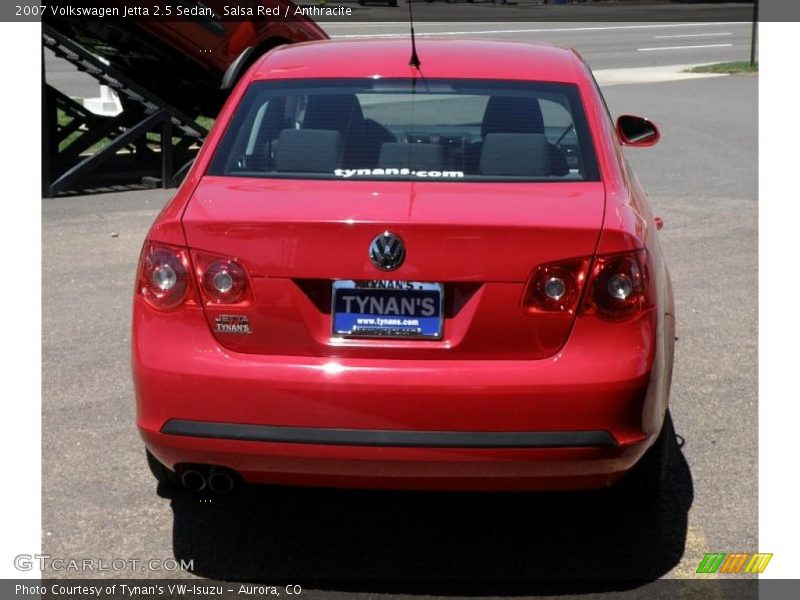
602	45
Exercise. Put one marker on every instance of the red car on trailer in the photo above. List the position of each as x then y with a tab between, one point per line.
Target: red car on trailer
388	276
189	53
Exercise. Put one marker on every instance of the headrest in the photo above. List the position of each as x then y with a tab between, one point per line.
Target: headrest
340	112
308	151
512	114
515	154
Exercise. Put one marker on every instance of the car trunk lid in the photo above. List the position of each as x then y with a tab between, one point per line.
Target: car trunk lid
481	241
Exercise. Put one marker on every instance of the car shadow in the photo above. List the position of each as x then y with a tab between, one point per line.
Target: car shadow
434	543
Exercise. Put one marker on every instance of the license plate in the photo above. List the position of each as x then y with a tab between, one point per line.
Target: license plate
387	309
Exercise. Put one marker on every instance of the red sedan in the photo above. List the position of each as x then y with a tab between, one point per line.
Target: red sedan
384	275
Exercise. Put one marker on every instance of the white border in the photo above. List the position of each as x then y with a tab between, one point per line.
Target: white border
779	292
20	299
20	248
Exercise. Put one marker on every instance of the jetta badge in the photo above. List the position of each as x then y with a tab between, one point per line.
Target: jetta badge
387	251
238	324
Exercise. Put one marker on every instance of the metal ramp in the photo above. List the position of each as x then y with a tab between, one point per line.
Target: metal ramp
149	142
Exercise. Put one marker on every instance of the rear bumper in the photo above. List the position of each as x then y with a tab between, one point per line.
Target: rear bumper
579	419
398	467
390	439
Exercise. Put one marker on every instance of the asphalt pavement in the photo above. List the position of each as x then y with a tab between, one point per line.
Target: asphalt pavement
602	45
703	180
99	500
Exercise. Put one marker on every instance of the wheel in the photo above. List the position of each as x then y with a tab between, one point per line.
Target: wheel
646	480
160	472
393	3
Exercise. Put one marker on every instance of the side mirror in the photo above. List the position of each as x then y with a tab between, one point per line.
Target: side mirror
637	131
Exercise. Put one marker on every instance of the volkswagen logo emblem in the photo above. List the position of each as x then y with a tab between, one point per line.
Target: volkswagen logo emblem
387	251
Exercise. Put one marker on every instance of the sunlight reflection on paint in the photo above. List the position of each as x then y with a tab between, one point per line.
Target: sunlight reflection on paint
332	368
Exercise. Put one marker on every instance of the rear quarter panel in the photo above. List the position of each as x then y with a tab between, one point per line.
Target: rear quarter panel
628	223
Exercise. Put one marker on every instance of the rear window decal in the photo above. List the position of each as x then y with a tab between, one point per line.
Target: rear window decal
348	173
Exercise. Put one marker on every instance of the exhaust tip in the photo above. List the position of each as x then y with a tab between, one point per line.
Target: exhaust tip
193	480
220	482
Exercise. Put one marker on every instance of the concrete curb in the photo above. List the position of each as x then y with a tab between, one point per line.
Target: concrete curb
608	77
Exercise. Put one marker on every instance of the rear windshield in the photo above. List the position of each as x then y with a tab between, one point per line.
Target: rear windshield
408	129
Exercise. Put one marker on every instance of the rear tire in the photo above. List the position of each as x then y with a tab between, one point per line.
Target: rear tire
160	472
647	478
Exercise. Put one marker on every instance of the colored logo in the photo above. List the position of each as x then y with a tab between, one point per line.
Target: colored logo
737	562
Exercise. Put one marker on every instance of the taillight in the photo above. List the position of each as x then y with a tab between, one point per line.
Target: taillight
223	280
619	285
163	278
556	287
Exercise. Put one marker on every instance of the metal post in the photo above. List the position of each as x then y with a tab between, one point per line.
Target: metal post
47	133
166	152
754	36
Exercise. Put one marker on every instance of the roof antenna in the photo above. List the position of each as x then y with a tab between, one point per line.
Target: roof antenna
414	61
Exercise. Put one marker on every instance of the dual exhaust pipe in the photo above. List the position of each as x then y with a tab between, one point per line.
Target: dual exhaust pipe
218	480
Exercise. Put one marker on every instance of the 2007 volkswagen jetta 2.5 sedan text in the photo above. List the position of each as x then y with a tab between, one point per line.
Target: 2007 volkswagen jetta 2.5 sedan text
388	275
